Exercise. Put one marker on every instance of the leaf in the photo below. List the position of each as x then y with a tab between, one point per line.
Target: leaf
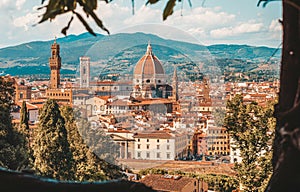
169	9
64	30
87	27
265	2
91	4
190	3
132	6
151	2
97	20
54	8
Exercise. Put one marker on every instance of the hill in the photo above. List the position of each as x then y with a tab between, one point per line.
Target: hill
118	54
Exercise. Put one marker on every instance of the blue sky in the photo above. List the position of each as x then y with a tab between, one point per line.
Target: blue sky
217	21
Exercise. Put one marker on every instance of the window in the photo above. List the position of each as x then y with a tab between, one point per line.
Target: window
168	147
138	154
139	140
157	155
157	140
167	140
157	146
148	146
147	140
168	156
139	146
148	155
148	81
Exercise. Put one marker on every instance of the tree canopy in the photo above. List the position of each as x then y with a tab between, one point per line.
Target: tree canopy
251	127
53	157
13	154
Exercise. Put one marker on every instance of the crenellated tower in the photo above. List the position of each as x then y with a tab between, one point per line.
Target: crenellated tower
55	65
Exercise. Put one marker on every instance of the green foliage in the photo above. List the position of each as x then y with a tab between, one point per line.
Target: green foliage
24	118
87	165
59	7
219	115
12	153
252	127
53	157
24	130
98	142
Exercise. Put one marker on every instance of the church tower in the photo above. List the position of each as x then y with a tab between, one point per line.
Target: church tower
84	72
206	89
175	85
55	65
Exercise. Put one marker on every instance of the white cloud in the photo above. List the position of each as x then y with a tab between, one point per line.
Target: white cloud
143	15
5	3
275	26
239	29
26	21
200	16
275	30
19	4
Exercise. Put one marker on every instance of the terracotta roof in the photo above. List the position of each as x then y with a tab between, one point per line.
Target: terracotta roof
118	103
166	182
118	131
155	135
151	101
81	95
148	64
105	98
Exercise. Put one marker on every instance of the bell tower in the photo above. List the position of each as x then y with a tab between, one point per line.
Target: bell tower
84	72
175	85
55	65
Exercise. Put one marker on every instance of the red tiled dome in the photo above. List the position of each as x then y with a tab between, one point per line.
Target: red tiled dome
149	64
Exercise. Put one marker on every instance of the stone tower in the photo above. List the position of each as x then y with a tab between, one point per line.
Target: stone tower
84	71
175	85
206	88
55	65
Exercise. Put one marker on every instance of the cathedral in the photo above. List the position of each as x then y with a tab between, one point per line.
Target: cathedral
150	84
149	78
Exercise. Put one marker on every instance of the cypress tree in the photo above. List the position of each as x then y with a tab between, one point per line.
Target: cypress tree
88	166
25	131
12	153
53	157
24	118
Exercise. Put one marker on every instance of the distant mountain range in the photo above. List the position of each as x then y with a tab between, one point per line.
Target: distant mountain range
119	53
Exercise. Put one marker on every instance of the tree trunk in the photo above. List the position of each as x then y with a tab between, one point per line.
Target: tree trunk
286	155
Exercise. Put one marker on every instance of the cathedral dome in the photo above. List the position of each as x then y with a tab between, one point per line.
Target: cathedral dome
149	65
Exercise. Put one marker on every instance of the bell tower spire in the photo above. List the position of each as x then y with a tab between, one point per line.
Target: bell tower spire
55	65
